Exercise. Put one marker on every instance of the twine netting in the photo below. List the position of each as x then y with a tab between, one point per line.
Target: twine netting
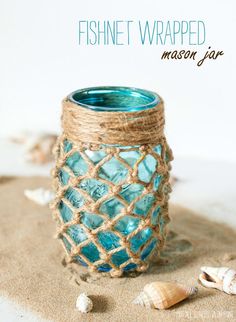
111	200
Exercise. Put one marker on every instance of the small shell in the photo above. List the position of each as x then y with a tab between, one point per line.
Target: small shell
39	150
221	278
173	180
162	295
41	196
38	146
20	138
83	303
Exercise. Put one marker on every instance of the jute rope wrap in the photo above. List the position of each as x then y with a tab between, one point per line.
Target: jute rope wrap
123	128
112	133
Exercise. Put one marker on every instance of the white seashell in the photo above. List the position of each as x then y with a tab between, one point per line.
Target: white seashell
83	303
39	148
162	295
41	196
221	278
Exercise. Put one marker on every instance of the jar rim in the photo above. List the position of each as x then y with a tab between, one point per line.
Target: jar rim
115	98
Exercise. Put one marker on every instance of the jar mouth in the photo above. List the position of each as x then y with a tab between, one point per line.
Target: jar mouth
115	98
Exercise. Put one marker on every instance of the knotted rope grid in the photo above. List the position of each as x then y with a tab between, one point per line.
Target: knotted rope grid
112	133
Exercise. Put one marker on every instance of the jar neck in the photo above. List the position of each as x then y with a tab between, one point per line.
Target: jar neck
115	99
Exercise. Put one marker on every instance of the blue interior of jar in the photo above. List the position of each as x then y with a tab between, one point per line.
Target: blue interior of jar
114	98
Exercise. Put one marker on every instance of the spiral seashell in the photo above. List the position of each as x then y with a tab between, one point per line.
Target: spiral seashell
221	278
162	295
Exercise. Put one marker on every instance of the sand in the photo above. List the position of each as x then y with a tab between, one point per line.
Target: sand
33	271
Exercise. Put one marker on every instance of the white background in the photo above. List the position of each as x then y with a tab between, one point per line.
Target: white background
41	62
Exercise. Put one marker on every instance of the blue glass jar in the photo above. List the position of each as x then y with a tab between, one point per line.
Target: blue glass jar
129	220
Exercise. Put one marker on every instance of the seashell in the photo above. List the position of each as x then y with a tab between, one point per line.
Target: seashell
162	295
173	180
83	303
20	138
41	196
221	278
39	148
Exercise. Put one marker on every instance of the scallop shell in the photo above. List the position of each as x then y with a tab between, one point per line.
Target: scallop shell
162	295
83	303
221	278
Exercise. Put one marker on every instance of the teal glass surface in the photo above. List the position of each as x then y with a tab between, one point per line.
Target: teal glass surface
112	99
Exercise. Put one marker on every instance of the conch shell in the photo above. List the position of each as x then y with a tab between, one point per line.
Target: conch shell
162	295
221	278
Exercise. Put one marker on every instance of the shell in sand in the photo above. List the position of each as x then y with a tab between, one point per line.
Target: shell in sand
40	196
83	303
162	295
221	278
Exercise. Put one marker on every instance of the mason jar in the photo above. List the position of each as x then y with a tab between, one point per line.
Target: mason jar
112	178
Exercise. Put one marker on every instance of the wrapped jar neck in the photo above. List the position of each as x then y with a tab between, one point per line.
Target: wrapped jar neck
113	115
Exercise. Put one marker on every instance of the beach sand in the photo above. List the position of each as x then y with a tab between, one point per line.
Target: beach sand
34	273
